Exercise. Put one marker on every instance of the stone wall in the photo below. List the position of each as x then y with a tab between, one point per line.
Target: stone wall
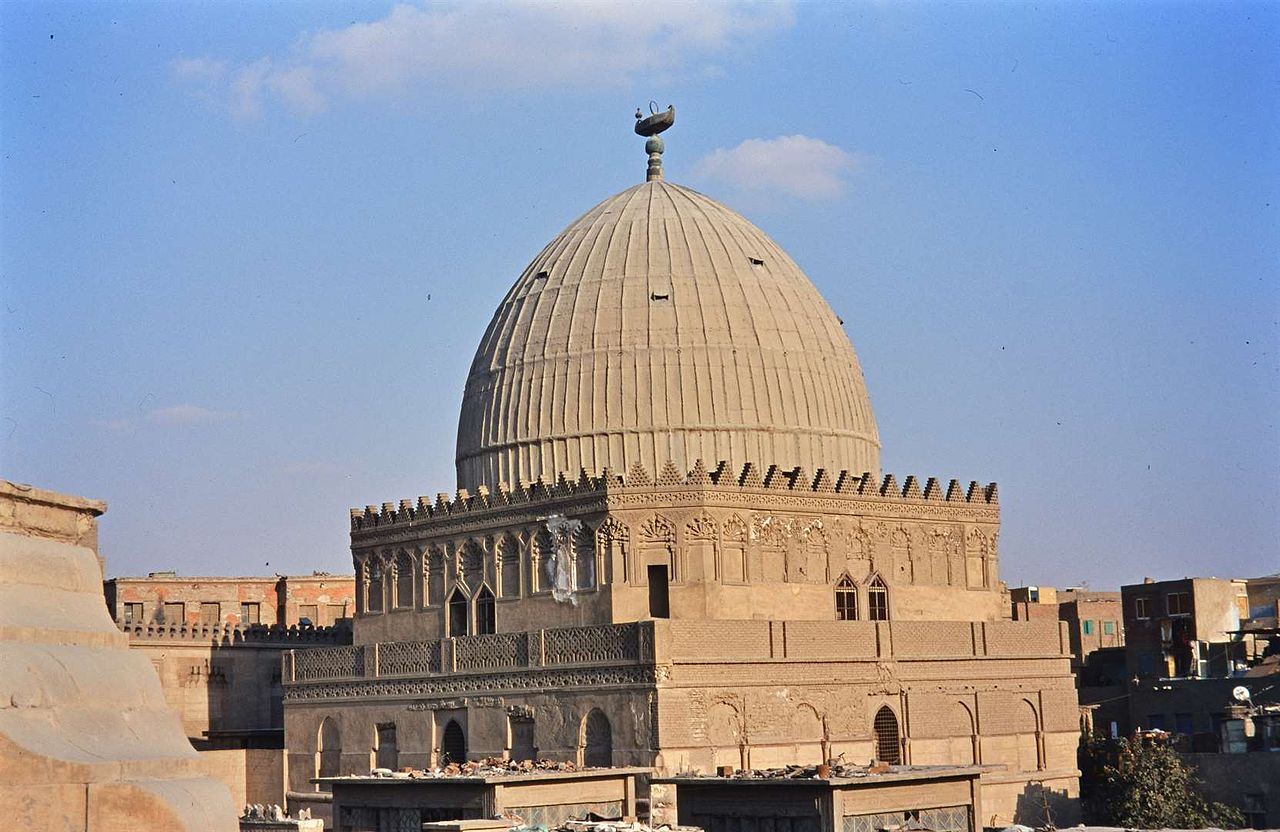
732	544
86	741
693	695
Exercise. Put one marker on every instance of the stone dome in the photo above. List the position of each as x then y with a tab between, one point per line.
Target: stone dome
660	326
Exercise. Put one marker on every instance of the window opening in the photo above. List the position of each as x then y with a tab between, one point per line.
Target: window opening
386	752
453	745
846	599
1141	608
485	616
597	740
888	744
133	613
173	612
1178	603
404	581
457	614
659	599
375	588
250	613
1088	627
878	600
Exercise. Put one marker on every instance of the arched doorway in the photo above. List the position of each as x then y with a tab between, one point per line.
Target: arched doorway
328	750
597	740
888	742
453	745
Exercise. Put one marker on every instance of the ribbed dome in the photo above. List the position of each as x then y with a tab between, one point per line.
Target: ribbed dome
662	326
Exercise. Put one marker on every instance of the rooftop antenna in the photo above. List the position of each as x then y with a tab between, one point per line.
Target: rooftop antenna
650	126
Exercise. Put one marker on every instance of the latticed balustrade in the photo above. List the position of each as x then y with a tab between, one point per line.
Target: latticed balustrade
491	652
328	663
586	645
406	658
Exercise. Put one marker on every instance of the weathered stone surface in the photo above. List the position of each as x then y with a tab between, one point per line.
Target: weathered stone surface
86	741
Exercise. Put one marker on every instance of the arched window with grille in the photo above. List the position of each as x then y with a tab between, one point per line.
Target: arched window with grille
877	600
846	599
888	741
458	614
486	622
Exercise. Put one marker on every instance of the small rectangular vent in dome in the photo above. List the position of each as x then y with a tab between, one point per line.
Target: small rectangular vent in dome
756	261
540	276
660	296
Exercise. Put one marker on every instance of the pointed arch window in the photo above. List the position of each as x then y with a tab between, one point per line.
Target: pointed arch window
374	602
888	743
458	614
597	740
404	581
846	599
453	745
877	600
486	622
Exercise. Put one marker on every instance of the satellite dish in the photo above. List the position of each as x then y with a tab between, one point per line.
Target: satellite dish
1240	693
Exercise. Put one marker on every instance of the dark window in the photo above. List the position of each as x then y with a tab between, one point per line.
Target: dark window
1108	628
250	613
453	746
404	581
1155	722
1087	625
1178	603
888	744
659	600
878	600
1182	724
1141	608
133	613
374	603
386	752
457	614
485	619
308	614
846	599
1255	810
597	740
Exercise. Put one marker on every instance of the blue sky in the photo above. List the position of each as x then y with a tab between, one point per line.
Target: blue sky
248	249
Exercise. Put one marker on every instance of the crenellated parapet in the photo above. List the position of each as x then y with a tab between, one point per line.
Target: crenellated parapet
723	478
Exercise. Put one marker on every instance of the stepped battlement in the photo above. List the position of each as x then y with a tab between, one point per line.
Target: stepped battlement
722	478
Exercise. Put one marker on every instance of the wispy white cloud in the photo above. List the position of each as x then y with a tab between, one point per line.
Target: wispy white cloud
797	166
489	46
178	415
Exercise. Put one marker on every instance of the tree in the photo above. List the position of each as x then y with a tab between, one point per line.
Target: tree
1142	783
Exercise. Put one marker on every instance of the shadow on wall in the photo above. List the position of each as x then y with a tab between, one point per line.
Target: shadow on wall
1042	807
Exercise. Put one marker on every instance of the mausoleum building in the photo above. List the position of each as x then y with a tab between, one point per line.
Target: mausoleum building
671	545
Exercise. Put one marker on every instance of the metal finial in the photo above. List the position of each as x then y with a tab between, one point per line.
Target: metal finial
651	126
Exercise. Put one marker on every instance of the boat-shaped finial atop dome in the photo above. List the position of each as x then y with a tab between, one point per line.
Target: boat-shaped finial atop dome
651	125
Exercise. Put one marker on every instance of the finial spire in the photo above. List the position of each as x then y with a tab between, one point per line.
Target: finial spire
651	126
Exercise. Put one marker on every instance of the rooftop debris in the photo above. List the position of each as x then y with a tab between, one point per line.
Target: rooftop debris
487	767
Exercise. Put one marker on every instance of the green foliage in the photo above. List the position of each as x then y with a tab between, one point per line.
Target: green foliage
1142	783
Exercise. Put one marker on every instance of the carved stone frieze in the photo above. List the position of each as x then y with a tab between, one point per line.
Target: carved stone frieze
533	681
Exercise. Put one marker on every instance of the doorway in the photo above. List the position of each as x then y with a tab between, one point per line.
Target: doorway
659	598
